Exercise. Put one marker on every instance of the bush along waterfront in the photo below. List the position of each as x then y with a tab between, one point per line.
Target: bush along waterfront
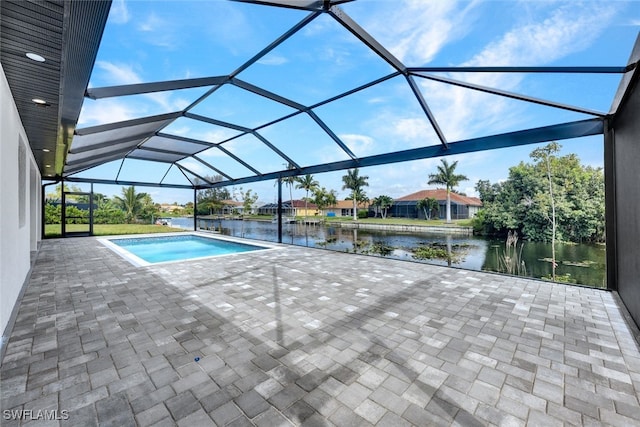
554	199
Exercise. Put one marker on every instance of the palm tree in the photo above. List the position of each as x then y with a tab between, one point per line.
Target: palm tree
383	202
130	202
352	181
446	176
323	198
306	183
428	204
289	181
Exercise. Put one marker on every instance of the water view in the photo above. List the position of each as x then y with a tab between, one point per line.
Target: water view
582	264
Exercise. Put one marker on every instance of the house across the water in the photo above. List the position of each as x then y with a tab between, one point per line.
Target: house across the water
462	207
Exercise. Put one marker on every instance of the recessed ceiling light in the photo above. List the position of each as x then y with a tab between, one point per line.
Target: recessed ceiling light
46	150
35	57
39	101
47	166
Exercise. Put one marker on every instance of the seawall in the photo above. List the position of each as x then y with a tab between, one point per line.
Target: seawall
400	227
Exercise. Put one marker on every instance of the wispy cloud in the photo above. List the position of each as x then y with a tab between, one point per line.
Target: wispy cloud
361	145
568	29
123	74
273	59
564	30
119	13
151	24
415	31
159	32
118	74
105	111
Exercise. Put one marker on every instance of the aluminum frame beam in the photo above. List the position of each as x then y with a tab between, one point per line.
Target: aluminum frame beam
267	94
118	153
345	20
508	94
129	123
186	139
210	166
331	134
266	142
183	168
141	88
245	131
126	183
558	132
312	5
569	70
101	145
427	111
239	160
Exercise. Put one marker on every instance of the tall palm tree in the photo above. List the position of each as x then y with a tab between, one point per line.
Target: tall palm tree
289	181
306	183
354	182
130	202
446	176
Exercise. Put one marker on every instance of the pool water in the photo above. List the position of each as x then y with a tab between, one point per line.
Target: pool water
157	249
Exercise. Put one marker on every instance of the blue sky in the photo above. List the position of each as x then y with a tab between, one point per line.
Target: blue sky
147	41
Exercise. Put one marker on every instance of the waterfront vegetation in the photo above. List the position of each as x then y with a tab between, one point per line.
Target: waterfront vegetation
577	263
55	230
554	198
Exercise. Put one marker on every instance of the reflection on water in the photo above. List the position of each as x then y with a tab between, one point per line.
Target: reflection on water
581	264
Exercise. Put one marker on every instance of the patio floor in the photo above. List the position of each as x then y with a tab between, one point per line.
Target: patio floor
298	336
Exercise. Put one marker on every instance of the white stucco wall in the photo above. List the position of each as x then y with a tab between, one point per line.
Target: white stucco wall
17	238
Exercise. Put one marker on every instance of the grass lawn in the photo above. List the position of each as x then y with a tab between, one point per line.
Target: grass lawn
55	230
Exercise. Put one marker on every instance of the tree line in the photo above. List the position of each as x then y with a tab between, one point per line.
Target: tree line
554	198
130	207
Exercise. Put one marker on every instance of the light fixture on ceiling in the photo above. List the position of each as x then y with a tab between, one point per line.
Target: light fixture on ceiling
40	102
47	166
46	150
35	57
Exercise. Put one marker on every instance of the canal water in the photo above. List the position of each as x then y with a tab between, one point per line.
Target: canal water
582	264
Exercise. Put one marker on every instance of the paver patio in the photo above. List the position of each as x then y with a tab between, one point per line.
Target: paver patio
298	336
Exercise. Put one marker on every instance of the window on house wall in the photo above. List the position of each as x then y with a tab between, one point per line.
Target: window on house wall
22	180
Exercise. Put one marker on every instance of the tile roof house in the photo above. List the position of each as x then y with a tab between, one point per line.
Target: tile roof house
462	207
290	208
343	208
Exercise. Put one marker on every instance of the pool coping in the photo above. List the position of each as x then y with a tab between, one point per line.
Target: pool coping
139	262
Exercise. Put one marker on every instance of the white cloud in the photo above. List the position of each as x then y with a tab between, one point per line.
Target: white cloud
151	24
119	13
360	145
118	74
566	29
273	59
415	31
160	32
105	111
195	166
569	28
377	100
122	74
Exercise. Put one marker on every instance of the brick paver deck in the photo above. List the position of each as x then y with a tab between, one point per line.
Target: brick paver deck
299	336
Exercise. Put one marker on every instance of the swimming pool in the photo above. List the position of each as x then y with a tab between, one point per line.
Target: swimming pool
143	251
